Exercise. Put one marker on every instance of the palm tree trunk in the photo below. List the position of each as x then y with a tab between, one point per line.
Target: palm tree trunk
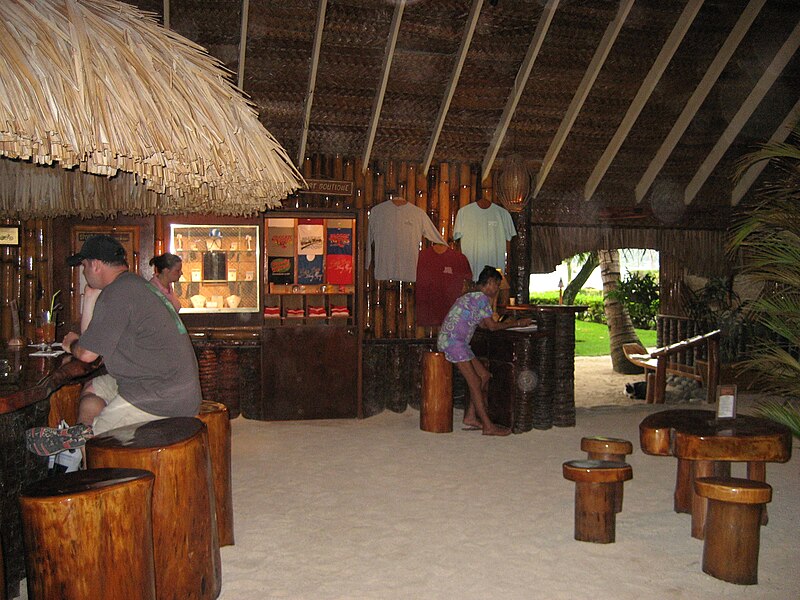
575	285
620	326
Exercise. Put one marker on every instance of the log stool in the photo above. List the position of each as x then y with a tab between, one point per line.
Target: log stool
595	518
185	539
215	416
436	410
733	523
598	447
88	534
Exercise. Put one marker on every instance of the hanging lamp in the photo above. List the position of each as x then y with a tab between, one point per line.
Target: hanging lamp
514	184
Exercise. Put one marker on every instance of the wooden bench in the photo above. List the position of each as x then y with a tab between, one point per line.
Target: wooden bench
657	364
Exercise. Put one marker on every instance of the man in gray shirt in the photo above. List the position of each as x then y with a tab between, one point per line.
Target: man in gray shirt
144	344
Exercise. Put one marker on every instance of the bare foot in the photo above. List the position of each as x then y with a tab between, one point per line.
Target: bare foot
472	424
496	430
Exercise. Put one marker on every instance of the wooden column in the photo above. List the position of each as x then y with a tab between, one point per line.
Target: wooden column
519	260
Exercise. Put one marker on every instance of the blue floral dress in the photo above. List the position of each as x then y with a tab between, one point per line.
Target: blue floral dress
459	326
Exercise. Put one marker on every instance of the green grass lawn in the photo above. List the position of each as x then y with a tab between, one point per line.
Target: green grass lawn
591	339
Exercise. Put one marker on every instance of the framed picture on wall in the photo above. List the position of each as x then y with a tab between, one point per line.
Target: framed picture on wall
127	235
9	235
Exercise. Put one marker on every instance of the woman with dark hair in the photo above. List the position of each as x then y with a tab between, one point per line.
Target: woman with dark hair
168	269
474	309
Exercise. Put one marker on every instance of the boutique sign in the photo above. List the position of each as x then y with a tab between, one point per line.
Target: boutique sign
328	187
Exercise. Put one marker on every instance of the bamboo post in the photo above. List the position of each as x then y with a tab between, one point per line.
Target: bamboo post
444	199
402	309
390	309
378	322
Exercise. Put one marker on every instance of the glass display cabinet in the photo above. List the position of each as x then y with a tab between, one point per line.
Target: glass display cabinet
220	267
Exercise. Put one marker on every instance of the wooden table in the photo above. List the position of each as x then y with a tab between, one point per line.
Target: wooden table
705	447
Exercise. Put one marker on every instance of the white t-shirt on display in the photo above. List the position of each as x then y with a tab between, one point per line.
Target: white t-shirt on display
483	233
396	232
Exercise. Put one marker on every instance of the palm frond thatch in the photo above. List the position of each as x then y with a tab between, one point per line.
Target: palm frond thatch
100	87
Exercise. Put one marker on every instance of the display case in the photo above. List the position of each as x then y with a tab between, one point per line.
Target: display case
310	275
220	267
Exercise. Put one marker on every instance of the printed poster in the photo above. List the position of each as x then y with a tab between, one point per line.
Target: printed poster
309	269
281	269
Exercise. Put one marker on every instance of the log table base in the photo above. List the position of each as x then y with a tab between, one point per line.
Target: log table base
185	539
88	534
595	497
733	527
436	410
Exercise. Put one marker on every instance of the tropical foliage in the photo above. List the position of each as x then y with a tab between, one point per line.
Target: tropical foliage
768	239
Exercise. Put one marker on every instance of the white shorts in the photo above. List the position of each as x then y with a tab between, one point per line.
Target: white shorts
118	411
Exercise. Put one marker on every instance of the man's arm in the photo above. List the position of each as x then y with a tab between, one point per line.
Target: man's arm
71	346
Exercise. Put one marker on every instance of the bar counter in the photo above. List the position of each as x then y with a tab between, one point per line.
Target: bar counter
533	372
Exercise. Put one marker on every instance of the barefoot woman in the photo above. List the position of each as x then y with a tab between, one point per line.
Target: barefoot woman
471	310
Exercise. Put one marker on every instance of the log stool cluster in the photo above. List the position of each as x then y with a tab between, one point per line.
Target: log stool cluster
436	410
146	520
598	487
732	528
185	537
88	534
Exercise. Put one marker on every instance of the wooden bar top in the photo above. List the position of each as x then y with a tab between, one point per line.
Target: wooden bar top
26	379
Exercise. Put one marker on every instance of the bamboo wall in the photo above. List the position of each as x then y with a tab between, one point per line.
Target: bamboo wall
26	276
387	307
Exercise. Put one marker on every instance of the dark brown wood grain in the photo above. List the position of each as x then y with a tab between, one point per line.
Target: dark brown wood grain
88	534
215	416
436	411
185	540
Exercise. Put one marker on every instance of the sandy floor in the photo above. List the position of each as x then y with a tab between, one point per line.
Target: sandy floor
378	509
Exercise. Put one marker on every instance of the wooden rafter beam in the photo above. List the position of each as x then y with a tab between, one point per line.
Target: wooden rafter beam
745	111
387	66
598	60
243	43
643	95
312	79
519	86
697	98
780	135
466	40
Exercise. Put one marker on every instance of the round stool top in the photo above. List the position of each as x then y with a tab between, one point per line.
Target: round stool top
89	480
596	471
733	489
208	406
153	434
606	445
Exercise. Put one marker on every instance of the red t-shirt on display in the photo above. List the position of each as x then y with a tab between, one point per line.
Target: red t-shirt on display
440	281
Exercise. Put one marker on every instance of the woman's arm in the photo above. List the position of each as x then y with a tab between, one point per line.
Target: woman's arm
492	325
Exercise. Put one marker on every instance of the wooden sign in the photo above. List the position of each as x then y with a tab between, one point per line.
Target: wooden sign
328	187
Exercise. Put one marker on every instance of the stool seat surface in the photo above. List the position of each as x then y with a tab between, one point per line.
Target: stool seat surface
596	471
89	480
153	434
606	445
733	489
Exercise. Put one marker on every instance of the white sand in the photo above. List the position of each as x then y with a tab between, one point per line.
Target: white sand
378	509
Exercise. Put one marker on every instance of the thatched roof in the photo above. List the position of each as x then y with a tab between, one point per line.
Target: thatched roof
98	87
636	111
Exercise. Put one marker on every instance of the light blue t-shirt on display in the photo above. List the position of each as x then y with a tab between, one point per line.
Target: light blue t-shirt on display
483	233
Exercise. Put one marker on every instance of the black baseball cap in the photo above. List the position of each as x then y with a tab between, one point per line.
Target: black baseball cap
100	247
